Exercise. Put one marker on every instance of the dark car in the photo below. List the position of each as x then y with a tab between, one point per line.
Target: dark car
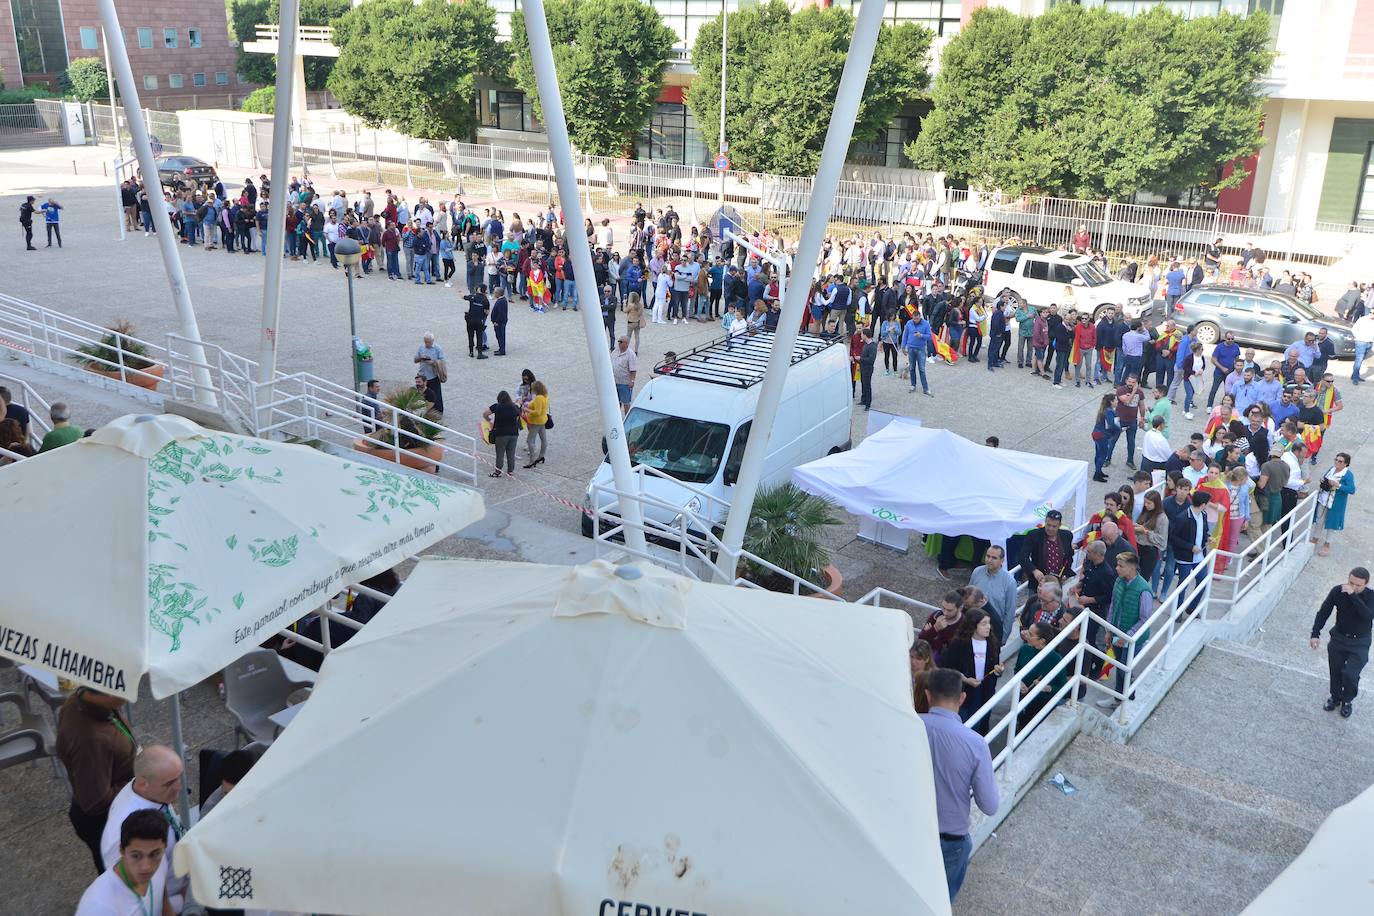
185	172
1258	317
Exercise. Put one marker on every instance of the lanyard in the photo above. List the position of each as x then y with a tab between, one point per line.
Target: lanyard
145	900
173	820
124	729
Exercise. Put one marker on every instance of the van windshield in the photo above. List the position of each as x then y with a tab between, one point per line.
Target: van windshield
690	450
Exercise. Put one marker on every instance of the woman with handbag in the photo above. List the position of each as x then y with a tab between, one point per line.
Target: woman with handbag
1335	488
1105	429
537	422
504	417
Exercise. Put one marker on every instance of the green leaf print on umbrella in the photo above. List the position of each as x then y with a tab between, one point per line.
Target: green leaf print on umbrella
274	553
171	603
388	491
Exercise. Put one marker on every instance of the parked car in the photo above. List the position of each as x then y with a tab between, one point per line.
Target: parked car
185	172
1038	276
1258	318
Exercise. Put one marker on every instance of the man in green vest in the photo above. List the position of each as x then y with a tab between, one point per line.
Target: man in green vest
1132	605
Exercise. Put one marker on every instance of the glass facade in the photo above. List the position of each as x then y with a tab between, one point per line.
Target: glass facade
889	149
510	109
673	136
1190	9
38	32
1364	213
940	16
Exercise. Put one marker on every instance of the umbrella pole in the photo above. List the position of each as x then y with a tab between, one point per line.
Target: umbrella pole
179	744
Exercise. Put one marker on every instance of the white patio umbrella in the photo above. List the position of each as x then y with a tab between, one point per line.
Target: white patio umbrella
516	738
1334	874
157	547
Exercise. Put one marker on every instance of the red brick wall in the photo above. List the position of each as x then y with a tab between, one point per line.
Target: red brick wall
215	52
9	50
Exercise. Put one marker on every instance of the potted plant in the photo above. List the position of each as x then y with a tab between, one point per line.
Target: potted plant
120	347
784	529
417	433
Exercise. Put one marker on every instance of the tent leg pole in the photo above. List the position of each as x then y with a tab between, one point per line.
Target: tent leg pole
827	180
179	745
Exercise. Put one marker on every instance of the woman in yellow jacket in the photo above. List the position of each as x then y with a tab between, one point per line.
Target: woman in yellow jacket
536	422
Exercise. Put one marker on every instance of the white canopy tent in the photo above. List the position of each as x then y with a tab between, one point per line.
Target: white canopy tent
1334	874
522	738
924	479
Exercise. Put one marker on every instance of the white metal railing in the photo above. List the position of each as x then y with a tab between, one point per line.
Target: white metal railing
300	404
22	393
320	33
1149	650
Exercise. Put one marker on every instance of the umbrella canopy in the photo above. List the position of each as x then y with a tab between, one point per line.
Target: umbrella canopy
931	480
515	738
1333	874
155	546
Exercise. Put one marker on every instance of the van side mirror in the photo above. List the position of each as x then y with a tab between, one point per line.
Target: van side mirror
731	474
1076	281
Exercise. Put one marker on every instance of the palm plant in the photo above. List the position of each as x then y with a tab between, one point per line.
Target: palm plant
784	529
104	356
411	401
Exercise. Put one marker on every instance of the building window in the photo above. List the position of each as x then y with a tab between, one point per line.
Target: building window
90	38
150	81
39	37
672	136
889	148
221	77
193	38
174	81
169	38
198	79
940	16
145	38
508	110
1364	211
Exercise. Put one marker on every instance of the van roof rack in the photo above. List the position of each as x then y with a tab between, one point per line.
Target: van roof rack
740	365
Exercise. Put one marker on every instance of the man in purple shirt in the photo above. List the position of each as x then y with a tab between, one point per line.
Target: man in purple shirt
962	767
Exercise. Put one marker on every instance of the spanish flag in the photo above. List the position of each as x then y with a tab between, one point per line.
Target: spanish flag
1326	400
942	347
1075	354
1312	438
1106	358
1214	421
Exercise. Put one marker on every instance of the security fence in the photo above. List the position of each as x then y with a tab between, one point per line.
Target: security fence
886	201
30	124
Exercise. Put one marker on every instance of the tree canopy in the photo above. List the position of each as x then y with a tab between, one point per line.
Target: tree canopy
610	56
784	69
85	79
414	66
1086	103
262	100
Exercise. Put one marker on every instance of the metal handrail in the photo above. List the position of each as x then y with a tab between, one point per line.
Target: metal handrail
39	424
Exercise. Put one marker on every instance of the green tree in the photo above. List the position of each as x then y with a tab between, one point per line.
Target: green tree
244	18
610	56
85	79
262	100
784	71
414	66
1087	103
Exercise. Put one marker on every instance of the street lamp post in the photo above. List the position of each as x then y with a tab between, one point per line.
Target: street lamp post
349	253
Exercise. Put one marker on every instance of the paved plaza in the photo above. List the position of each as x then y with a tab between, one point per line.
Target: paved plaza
1217	793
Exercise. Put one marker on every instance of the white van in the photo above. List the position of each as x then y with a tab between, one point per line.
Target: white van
693	418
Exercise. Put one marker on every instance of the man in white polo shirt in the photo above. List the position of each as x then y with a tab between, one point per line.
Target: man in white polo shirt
155	786
136	884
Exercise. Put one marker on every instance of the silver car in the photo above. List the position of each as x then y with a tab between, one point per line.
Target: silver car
1258	317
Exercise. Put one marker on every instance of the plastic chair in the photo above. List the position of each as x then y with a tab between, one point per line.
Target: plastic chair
32	739
256	687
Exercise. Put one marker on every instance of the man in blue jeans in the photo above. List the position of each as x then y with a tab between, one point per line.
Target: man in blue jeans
962	767
915	339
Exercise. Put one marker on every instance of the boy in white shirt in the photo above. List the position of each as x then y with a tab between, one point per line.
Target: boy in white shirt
136	885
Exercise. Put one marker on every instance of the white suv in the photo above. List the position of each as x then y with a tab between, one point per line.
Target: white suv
1038	276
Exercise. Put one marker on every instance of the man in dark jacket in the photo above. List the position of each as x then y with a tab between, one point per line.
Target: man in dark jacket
476	320
1108	340
1048	550
500	314
26	220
